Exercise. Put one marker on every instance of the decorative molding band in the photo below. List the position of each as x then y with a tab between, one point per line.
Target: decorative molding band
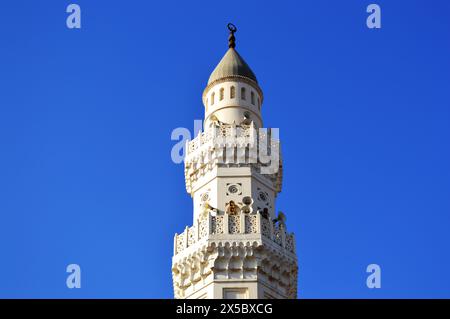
237	78
235	260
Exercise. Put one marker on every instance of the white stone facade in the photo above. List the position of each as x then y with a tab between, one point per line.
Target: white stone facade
237	247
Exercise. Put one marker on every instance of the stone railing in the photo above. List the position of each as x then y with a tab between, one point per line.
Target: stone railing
230	136
213	226
227	145
223	134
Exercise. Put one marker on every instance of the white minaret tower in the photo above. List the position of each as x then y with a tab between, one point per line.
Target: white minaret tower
237	247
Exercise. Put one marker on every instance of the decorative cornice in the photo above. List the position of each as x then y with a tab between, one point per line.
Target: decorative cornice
237	78
251	261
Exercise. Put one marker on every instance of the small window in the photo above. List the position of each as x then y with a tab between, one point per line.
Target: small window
243	93
232	92
259	104
252	97
221	92
212	98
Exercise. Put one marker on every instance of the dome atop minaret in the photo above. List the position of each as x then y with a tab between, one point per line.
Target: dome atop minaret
232	65
232	94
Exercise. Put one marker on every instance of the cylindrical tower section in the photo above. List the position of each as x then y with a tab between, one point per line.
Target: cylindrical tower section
233	99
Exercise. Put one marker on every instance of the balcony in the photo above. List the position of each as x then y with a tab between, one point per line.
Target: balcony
245	227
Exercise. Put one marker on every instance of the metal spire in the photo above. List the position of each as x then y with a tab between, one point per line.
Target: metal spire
231	38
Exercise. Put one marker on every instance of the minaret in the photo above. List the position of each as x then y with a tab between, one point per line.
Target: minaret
237	247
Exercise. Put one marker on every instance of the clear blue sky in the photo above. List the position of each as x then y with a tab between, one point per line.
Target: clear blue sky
86	117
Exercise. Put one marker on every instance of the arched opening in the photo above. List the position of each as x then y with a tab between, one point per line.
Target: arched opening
221	93
232	92
252	97
243	94
212	98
